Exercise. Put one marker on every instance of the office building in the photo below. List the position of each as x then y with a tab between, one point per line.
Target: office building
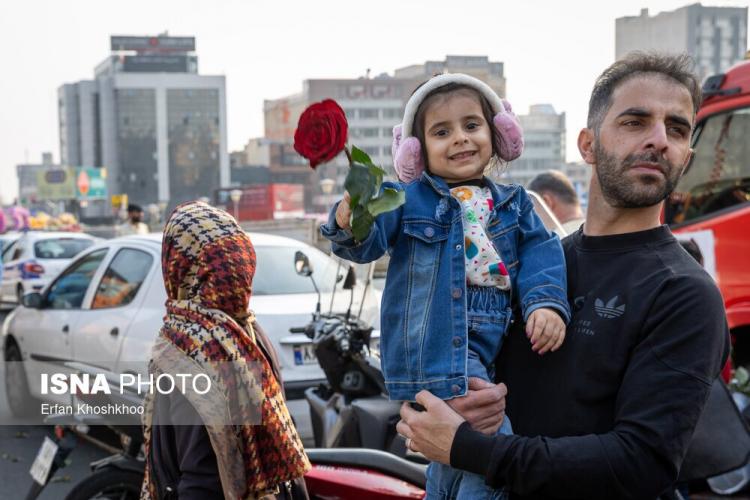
157	125
716	37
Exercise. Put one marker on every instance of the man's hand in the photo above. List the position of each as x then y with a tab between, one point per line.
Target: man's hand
546	330
483	406
344	213
430	432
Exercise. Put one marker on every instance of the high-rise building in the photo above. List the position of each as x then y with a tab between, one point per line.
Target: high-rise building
158	126
544	144
373	107
716	37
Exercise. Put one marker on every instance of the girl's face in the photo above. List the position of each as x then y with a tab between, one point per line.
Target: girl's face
458	139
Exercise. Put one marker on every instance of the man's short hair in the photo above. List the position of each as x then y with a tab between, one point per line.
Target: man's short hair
557	183
134	208
675	67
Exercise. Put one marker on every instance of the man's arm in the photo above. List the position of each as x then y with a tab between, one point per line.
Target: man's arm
663	392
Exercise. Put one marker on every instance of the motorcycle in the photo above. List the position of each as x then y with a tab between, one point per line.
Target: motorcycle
118	476
336	473
719	453
351	409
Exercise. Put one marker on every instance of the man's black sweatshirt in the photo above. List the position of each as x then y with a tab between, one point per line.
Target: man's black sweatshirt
611	413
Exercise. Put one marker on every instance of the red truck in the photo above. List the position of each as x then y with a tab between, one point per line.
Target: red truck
262	201
711	203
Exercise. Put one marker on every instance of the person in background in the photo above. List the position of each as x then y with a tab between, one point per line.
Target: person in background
560	196
693	249
134	224
236	440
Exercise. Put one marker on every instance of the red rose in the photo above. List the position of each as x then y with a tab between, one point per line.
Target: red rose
321	132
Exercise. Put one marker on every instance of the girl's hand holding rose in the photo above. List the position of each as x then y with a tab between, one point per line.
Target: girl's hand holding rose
344	213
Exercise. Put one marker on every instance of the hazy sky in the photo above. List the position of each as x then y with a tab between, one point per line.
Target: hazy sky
552	50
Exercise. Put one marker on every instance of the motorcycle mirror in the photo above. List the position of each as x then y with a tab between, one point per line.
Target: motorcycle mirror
351	279
302	264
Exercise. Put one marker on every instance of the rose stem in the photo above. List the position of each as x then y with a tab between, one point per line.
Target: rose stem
348	156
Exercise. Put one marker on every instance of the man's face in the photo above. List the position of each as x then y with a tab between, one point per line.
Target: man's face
643	143
135	216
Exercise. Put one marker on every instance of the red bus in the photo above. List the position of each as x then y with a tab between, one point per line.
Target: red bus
711	203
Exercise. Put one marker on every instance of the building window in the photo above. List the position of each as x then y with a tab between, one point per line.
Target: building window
380	91
356	91
391	113
368	114
369	132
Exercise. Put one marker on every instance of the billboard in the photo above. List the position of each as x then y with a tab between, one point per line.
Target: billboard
91	183
56	184
72	183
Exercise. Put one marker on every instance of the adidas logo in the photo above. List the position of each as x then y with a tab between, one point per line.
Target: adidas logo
610	309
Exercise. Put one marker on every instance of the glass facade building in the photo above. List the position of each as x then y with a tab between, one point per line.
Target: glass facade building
136	144
193	120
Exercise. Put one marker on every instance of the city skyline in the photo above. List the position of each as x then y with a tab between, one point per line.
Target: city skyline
552	53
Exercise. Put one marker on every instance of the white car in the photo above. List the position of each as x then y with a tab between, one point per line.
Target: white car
106	308
7	238
35	258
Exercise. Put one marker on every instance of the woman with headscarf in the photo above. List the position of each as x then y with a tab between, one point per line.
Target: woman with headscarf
238	440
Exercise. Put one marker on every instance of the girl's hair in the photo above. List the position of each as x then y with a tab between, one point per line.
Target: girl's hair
418	130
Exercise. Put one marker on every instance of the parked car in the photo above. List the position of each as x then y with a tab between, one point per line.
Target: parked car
7	238
106	308
35	258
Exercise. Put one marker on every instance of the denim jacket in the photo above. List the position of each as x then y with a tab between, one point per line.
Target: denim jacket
423	323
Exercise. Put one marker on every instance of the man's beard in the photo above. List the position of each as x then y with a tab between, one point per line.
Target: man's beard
623	191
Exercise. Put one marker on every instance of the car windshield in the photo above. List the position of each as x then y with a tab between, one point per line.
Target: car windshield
275	273
60	248
719	175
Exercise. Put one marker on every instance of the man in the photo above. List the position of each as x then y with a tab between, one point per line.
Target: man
560	196
611	413
134	224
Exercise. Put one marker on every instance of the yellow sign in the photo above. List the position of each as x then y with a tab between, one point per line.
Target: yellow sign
120	201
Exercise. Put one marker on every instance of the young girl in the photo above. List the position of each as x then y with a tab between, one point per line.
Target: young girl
463	249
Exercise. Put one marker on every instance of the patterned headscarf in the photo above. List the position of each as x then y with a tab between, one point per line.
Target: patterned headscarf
208	264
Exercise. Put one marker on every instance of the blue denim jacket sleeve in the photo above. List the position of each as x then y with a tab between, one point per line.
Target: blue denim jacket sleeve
382	235
542	277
